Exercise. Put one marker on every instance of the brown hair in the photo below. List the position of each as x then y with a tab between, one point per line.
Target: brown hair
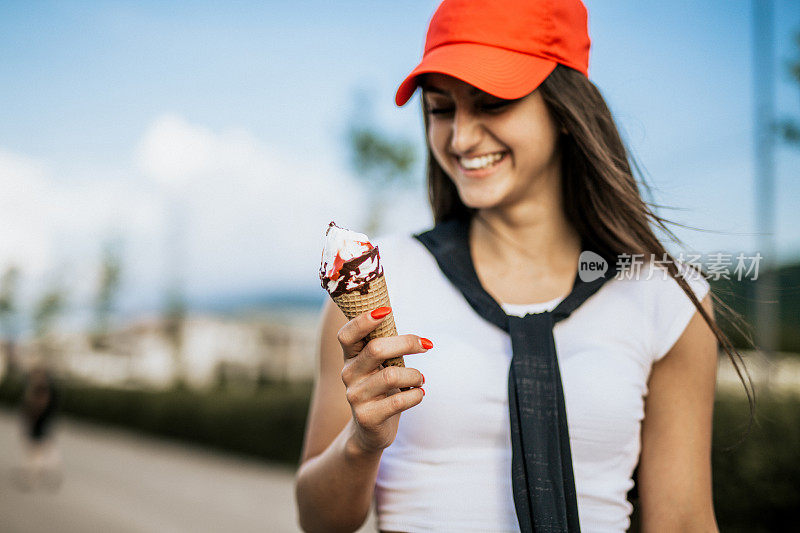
605	205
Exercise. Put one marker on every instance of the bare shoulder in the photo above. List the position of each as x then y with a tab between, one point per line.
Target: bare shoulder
329	411
675	463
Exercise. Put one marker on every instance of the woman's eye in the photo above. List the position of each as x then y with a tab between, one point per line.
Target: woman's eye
494	106
440	110
489	107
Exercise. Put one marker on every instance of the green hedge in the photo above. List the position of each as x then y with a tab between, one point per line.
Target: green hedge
756	479
267	423
756	483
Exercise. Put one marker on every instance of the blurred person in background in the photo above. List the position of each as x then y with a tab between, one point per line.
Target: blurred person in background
526	170
42	459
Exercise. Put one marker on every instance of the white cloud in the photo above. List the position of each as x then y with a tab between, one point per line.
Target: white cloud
249	216
173	151
225	210
52	226
23	231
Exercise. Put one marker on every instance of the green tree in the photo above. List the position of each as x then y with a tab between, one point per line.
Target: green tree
45	313
9	283
174	321
789	128
383	163
107	289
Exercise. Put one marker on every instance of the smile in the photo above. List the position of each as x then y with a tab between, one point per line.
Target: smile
484	161
481	167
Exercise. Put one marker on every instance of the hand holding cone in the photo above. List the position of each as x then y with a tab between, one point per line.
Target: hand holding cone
352	274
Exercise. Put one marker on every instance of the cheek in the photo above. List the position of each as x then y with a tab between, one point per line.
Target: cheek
534	143
437	140
544	133
542	143
529	130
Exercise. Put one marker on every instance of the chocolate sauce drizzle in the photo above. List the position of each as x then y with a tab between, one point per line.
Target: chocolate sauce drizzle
349	270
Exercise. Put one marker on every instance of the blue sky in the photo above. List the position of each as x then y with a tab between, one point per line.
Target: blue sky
110	111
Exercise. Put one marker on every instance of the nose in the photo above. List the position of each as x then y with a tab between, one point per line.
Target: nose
466	131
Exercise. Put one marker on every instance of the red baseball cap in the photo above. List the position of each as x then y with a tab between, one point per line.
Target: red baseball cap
503	47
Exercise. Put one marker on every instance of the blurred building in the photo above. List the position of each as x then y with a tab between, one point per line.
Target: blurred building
212	351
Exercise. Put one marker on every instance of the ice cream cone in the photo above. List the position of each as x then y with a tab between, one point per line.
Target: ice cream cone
354	303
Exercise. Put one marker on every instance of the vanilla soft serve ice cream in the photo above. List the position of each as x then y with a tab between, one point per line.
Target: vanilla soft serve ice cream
349	261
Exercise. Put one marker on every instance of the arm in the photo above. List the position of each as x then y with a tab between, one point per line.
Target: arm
328	454
340	457
675	463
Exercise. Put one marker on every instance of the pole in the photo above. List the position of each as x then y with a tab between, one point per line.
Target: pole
763	94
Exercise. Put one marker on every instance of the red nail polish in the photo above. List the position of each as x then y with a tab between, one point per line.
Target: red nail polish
426	343
423	378
423	391
380	312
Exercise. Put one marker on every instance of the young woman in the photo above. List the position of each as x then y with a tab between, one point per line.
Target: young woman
547	394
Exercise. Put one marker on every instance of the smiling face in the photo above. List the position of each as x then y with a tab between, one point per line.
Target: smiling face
497	152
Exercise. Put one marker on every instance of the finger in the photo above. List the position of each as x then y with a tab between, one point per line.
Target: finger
372	414
351	375
384	381
352	334
369	360
379	350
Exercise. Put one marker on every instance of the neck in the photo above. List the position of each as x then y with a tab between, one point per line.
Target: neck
534	232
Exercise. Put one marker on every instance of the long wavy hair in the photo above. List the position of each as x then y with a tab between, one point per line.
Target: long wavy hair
602	197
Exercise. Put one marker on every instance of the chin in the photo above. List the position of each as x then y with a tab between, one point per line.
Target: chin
480	197
479	203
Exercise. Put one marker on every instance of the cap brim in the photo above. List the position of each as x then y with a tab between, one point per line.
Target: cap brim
498	71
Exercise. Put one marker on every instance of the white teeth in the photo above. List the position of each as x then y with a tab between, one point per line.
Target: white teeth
480	162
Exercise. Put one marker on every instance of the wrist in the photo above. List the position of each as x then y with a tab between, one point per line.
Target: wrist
356	451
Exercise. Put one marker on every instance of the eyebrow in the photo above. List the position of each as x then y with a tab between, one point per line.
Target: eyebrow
473	91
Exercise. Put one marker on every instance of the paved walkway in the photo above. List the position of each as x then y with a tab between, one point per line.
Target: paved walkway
117	481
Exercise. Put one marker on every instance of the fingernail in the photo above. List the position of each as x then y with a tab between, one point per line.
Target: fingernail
381	312
427	344
423	391
423	378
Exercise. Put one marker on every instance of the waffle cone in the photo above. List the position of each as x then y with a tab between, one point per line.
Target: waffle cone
354	303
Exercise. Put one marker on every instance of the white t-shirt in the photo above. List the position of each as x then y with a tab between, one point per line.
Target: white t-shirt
449	468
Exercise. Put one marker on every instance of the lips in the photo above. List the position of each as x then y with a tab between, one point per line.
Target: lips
482	165
483	161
